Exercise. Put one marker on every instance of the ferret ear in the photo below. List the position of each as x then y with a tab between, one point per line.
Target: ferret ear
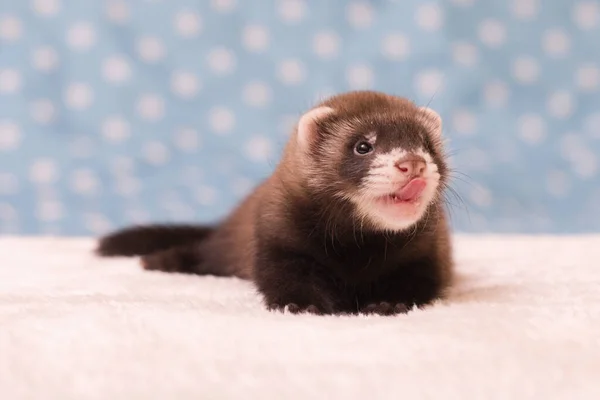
434	121
307	126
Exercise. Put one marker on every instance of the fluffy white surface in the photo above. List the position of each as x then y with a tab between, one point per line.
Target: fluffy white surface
523	323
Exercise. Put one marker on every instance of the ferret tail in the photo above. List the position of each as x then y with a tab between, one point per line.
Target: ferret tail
146	239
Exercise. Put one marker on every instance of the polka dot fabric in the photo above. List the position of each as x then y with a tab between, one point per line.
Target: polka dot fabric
117	112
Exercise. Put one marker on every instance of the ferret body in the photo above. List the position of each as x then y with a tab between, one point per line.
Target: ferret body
351	221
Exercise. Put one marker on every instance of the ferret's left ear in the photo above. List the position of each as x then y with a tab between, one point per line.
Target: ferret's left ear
434	121
307	126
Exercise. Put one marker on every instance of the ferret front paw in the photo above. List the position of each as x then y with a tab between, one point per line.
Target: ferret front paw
295	308
158	262
385	308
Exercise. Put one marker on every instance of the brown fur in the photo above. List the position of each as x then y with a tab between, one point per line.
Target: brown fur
300	244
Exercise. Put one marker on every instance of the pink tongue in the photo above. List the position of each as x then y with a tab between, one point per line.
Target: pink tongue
412	190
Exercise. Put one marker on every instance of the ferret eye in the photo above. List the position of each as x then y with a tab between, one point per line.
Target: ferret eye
363	148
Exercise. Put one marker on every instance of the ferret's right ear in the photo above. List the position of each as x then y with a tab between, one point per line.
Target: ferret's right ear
433	119
307	126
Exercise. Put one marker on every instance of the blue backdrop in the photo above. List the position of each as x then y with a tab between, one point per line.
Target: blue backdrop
115	112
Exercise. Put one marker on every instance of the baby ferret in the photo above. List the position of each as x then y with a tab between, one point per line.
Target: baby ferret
351	221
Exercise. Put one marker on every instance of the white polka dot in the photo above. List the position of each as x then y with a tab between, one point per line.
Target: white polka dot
291	11
137	216
151	107
255	38
117	11
492	32
326	44
7	213
556	42
475	159
10	81
360	77
155	153
560	104
259	149
10	28
395	46
587	77
98	224
84	182
558	183
187	139
46	8
115	129
241	187
9	184
45	59
586	165
257	94
481	196
127	186
591	125
532	129
221	60
176	208
571	145
495	93
151	49
429	17
221	120
291	72
81	36
583	160
525	9
465	54
206	195
223	5
116	69
185	84
586	14
464	122
429	82
526	69
43	171
43	111
577	151
79	96
188	23
360	14
50	210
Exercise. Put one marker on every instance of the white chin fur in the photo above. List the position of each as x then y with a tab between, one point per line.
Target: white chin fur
384	180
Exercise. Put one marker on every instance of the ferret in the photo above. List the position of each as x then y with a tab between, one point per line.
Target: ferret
351	221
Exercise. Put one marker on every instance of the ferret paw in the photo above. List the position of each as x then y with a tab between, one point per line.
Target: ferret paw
385	308
295	308
156	262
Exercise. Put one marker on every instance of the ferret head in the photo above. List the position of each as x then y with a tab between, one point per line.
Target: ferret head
381	154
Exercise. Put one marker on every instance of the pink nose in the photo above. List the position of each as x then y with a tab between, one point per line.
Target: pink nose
411	166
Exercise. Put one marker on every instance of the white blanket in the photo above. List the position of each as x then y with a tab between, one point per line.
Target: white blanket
522	323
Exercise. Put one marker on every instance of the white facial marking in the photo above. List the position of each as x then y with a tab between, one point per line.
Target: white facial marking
384	179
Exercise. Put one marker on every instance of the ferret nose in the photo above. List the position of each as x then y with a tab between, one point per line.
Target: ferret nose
411	165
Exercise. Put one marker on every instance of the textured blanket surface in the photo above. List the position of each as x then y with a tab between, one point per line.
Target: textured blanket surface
523	322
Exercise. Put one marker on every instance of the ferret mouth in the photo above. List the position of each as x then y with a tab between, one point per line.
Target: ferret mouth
408	194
